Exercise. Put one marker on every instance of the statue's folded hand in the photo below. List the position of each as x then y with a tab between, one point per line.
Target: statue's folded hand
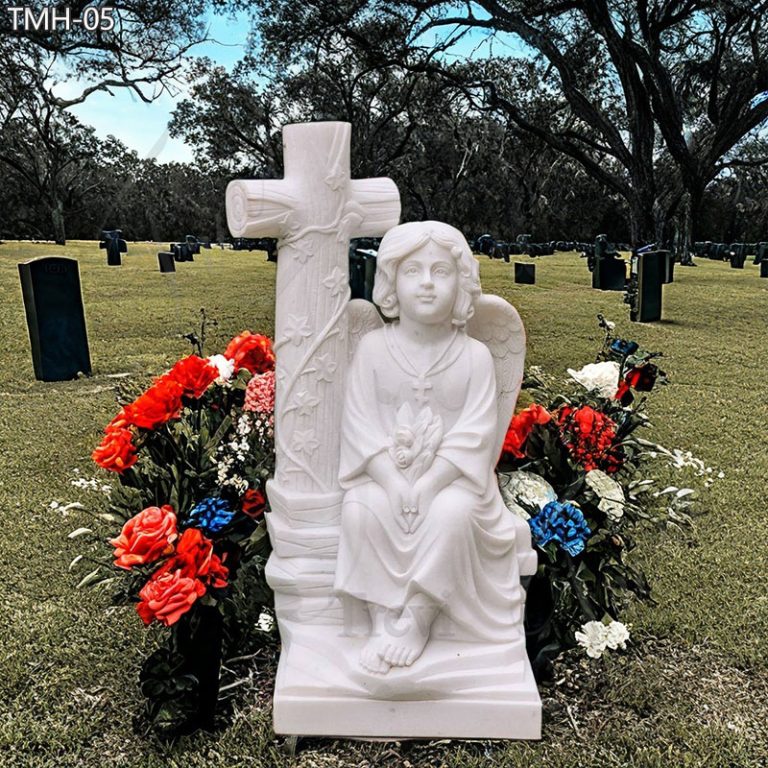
424	492
401	504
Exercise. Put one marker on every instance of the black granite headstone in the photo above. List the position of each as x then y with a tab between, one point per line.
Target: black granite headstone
525	273
53	303
646	279
193	244
738	255
609	273
166	261
114	245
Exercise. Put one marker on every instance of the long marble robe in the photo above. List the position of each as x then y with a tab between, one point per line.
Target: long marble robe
463	554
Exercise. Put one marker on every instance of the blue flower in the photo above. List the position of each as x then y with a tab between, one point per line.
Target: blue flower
623	347
212	514
561	523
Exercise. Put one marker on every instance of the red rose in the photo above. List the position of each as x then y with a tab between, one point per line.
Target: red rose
167	596
116	452
521	426
194	374
251	351
158	405
252	503
146	537
195	558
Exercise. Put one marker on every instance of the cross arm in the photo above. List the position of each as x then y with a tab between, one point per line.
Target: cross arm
260	208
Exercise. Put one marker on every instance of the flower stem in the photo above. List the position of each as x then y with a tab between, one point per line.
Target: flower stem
586	608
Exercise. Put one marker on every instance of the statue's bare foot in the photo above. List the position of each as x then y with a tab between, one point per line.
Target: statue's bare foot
371	660
404	643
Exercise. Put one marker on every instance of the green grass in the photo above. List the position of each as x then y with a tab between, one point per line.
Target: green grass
692	691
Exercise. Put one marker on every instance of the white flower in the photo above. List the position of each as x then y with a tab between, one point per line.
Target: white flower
616	635
601	377
525	489
594	638
224	366
266	622
611	494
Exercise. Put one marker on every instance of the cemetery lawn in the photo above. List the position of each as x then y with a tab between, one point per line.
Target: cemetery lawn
693	688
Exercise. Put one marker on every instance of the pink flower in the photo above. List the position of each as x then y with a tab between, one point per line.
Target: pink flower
260	393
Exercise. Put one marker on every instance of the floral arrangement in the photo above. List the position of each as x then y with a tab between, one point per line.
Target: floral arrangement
574	467
192	453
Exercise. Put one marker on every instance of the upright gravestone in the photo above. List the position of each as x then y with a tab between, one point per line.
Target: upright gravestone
648	272
166	261
760	253
525	273
738	255
193	244
181	252
114	245
54	307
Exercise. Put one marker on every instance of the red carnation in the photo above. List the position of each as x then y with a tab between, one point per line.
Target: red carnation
251	351
194	374
589	436
167	596
521	426
252	503
146	537
158	405
116	452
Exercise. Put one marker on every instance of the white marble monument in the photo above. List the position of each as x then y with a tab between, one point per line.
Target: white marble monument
396	566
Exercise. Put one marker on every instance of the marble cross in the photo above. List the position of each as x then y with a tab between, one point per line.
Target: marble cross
313	211
420	386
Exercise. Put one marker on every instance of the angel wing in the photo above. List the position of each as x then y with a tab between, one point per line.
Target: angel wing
497	324
362	317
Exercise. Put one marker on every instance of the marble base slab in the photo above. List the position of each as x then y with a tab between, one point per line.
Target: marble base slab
455	690
519	717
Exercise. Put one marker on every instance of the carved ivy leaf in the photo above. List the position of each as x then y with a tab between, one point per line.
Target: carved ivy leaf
297	328
302	252
324	368
304	441
336	282
305	402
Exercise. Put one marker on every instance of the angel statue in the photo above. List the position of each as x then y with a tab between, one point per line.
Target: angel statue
425	533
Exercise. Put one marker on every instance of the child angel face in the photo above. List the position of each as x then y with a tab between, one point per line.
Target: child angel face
422	261
427	284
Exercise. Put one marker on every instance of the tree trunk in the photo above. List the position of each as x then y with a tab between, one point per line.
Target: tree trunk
691	214
641	221
57	219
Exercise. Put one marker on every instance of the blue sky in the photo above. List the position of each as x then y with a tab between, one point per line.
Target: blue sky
143	127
